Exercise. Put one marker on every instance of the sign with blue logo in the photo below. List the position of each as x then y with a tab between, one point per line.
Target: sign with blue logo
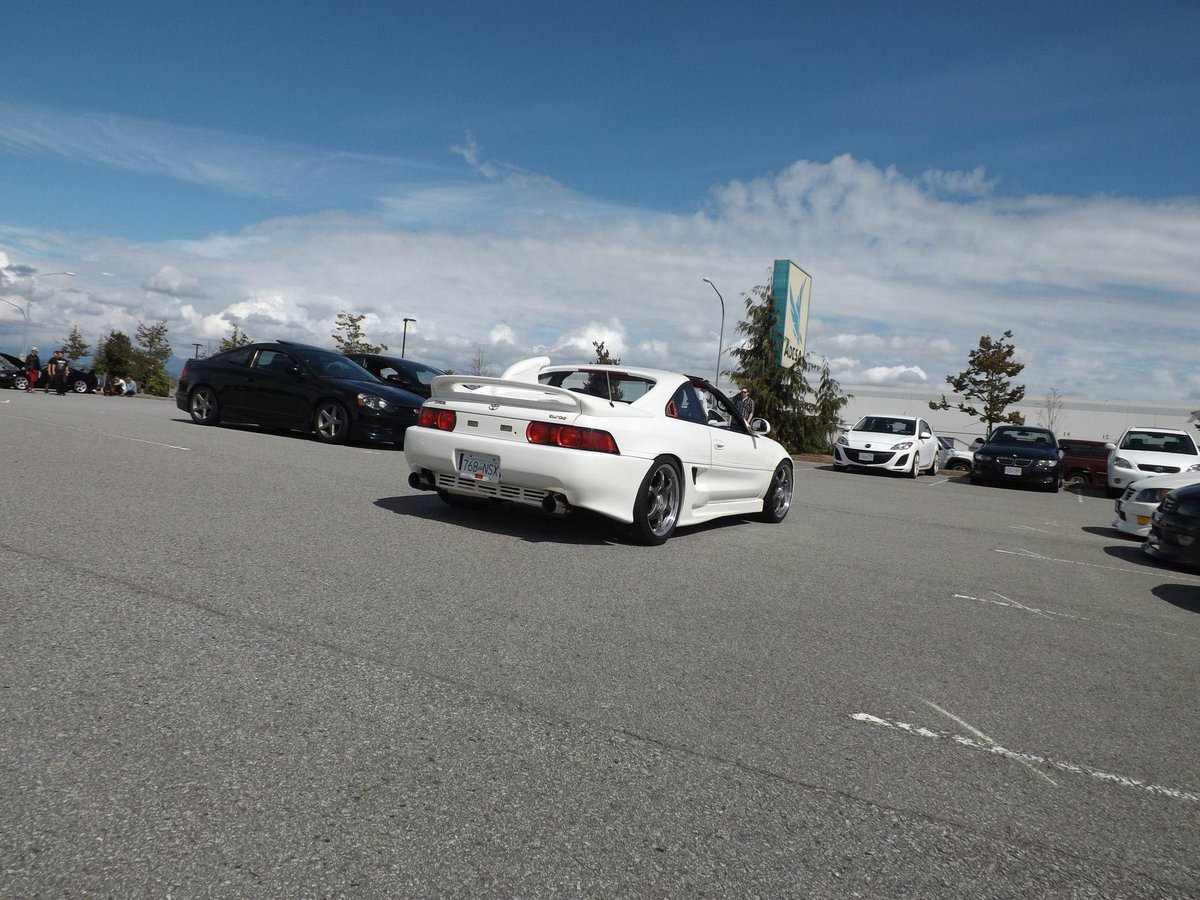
791	288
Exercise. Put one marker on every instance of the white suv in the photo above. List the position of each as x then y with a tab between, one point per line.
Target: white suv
1146	450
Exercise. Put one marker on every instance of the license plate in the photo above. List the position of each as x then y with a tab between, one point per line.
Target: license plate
479	466
866	457
1012	470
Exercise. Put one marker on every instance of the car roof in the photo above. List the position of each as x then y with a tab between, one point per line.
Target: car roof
1158	429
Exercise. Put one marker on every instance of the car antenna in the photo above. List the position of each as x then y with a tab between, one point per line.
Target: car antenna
608	380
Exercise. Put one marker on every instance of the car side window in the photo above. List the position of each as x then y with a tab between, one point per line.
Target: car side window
239	357
686	405
273	361
721	415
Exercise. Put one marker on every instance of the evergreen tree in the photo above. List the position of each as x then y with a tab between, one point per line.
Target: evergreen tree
114	354
235	340
987	381
75	347
778	392
150	358
349	335
603	357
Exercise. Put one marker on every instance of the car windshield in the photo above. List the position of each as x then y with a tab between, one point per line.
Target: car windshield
423	373
1159	442
886	425
1023	437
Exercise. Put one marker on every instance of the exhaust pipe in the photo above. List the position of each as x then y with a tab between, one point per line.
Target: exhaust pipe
556	504
420	480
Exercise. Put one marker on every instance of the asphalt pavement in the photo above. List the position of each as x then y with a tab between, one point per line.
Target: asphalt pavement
236	663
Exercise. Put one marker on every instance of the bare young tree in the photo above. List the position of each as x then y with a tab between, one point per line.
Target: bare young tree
1050	415
480	364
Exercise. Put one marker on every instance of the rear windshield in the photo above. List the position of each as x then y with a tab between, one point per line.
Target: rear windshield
1159	442
611	385
886	425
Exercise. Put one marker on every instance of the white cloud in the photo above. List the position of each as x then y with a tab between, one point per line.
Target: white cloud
907	274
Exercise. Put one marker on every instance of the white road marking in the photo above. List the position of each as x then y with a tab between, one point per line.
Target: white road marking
1049	613
1155	573
1045	761
122	437
1030	528
980	734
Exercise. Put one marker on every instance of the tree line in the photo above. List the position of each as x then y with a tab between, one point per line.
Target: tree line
144	358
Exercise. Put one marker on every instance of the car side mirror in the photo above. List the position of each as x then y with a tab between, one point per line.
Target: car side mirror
926	435
761	426
1109	445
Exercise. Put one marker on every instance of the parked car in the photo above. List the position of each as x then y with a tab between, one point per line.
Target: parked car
1135	507
1149	450
902	444
295	387
1175	527
639	446
11	369
1084	462
1021	455
403	373
954	454
80	379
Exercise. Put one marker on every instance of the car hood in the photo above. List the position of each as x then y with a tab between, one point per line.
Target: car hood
14	360
1181	461
1172	481
1023	450
876	439
386	391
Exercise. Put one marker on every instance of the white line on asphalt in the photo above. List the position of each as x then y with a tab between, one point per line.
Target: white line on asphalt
1030	528
1045	761
123	437
1155	573
975	731
1049	613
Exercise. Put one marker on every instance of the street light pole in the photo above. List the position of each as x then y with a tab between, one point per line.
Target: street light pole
24	315
404	336
29	303
721	335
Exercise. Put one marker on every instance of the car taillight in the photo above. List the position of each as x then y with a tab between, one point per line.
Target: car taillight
441	419
569	436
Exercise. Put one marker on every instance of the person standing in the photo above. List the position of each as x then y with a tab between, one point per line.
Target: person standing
33	368
58	369
744	404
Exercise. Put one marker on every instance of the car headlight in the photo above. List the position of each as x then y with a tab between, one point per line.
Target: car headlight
842	440
370	401
1121	463
1151	495
903	445
983	457
1045	463
1193	468
1189	508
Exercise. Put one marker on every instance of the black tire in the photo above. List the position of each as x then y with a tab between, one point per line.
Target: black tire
933	466
79	386
778	500
1078	480
331	422
916	466
21	382
659	499
959	465
203	406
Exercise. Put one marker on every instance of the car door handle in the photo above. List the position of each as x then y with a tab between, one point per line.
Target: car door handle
718	445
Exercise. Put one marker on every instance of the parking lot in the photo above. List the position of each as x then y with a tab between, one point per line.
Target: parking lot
241	663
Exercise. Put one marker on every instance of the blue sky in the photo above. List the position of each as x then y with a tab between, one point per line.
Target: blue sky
528	177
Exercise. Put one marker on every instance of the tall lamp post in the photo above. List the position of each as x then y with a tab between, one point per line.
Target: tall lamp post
25	312
721	335
404	336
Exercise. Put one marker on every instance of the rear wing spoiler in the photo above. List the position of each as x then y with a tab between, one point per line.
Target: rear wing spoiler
523	394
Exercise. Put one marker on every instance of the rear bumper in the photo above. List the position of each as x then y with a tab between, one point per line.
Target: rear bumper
601	482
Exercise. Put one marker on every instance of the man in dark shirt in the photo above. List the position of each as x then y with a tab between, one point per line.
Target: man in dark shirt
744	404
33	368
58	369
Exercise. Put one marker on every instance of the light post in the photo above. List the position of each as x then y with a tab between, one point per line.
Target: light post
721	335
404	336
25	312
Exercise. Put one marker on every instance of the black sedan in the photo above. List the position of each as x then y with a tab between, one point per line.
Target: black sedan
296	387
79	379
1019	454
403	373
10	370
1175	527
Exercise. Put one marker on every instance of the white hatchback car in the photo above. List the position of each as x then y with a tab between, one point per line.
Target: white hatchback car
1135	507
1148	450
903	444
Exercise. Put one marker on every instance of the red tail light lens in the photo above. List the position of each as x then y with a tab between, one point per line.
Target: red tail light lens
571	437
441	419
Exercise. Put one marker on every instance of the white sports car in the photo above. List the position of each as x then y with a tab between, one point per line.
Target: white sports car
649	448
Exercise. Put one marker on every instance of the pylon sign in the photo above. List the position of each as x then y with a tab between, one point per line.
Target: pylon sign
791	288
